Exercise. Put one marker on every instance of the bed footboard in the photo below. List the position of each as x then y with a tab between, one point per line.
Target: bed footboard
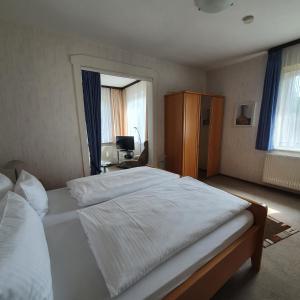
205	282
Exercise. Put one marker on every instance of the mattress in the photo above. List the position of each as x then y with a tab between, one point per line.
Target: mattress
74	270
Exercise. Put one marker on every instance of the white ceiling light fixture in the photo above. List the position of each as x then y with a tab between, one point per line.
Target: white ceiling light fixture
214	6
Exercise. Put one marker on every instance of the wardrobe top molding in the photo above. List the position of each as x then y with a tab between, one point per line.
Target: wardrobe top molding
197	93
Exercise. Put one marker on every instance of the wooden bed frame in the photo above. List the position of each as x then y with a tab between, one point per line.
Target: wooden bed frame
206	281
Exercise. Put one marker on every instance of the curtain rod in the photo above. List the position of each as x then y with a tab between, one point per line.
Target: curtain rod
121	88
289	44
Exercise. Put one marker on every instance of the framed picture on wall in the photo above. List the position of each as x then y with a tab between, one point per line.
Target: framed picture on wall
244	114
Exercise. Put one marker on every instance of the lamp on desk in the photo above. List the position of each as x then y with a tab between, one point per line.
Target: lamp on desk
140	141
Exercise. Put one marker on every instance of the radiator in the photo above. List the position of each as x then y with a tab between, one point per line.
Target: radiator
282	170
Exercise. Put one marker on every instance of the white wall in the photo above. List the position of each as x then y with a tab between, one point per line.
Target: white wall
38	121
240	82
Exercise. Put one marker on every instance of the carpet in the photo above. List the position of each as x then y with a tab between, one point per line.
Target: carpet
276	231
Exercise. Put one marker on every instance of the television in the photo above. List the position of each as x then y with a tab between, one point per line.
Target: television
125	142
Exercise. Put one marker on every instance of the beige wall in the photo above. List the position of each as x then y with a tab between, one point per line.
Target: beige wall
38	121
240	82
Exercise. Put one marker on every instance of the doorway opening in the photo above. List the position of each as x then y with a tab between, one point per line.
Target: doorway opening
114	68
124	122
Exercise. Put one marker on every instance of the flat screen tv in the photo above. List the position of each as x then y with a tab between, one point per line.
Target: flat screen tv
125	142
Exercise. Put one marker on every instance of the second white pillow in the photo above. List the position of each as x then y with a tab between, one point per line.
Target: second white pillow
30	188
5	185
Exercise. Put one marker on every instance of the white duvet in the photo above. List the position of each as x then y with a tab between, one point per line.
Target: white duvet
99	188
131	235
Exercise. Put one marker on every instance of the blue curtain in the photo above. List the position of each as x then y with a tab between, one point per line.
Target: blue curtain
269	101
92	106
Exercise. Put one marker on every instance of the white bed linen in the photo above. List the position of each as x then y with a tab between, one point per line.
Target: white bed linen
24	257
99	188
5	185
32	190
75	272
133	234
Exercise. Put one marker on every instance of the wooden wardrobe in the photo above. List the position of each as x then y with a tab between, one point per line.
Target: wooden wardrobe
193	133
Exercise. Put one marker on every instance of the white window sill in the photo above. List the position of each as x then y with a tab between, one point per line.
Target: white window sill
285	153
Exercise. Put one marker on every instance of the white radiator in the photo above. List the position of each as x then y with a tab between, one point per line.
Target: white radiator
282	170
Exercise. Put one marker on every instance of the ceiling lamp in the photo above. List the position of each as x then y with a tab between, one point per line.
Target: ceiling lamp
213	6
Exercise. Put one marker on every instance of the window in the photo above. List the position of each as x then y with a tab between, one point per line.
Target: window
135	106
286	134
122	112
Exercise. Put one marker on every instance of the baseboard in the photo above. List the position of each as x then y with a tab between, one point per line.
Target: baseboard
262	184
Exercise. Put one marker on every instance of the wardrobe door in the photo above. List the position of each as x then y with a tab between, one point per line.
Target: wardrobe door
215	136
173	132
191	129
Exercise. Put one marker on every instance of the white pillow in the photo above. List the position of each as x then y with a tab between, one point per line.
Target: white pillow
25	271
5	185
2	206
30	188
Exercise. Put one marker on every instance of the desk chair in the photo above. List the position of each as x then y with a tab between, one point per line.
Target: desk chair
142	161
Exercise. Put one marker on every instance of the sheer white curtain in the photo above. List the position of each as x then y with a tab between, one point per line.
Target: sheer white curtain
287	119
106	116
135	106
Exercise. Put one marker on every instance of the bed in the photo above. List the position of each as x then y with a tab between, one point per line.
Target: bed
200	269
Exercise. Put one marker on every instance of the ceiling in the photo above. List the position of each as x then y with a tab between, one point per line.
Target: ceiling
169	29
115	81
